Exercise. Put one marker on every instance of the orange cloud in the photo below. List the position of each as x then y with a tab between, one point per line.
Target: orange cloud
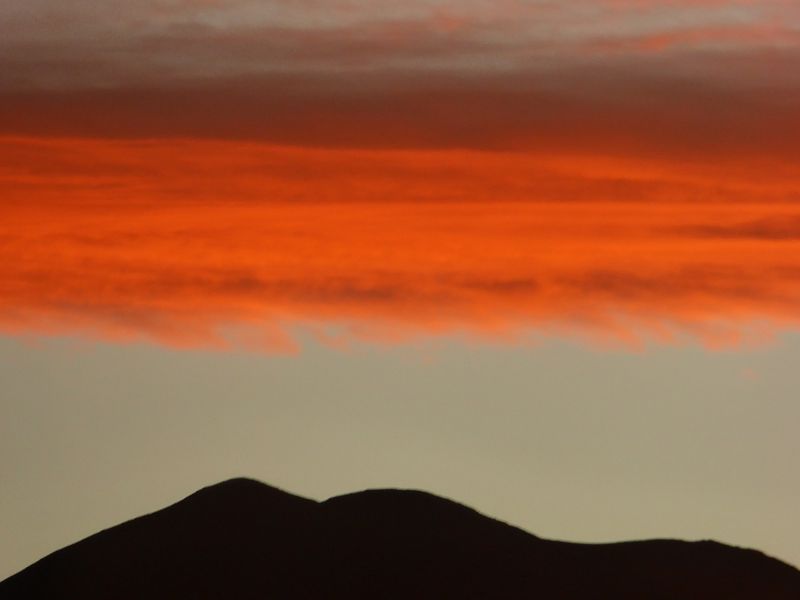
208	173
234	244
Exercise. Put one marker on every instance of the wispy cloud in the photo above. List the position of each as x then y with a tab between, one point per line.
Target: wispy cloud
781	227
609	111
229	244
690	79
206	172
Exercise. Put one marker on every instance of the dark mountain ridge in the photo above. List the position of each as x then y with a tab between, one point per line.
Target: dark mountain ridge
244	539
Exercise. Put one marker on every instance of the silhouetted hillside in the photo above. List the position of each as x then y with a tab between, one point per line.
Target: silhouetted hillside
244	539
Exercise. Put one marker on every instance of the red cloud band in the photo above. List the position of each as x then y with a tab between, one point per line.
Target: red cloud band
227	244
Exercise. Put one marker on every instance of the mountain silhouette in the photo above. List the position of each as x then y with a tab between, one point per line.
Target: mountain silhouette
242	539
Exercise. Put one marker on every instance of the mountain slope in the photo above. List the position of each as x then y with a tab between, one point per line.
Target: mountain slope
244	539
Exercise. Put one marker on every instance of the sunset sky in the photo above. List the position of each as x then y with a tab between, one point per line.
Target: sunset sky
541	257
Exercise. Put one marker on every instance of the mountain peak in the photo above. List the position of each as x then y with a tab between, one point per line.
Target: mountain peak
240	485
413	504
243	494
244	539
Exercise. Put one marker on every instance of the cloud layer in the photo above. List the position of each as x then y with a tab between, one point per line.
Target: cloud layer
232	244
707	75
215	172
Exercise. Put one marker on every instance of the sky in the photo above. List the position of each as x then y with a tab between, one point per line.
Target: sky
540	257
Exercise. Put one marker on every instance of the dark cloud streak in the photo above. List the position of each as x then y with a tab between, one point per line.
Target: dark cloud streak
785	227
569	111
